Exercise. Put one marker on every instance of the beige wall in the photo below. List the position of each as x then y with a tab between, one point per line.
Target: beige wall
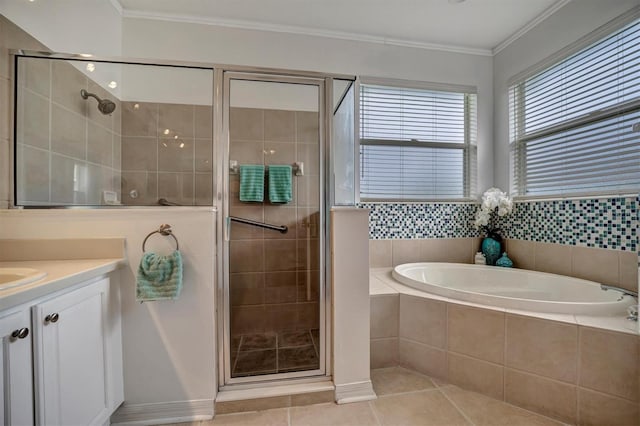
167	152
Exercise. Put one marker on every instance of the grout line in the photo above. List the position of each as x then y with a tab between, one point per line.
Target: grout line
288	416
429	390
456	407
376	415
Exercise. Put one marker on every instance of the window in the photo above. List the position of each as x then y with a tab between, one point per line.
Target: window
416	143
574	126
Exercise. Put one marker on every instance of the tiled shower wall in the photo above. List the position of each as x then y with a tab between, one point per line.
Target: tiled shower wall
274	277
166	153
68	150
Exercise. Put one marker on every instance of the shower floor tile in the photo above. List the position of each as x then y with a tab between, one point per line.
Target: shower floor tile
269	353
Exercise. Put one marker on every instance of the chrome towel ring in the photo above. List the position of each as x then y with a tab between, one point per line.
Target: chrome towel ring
165	230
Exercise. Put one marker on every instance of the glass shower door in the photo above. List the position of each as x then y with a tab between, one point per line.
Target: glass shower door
274	279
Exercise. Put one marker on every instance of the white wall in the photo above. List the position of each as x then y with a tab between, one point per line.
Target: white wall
169	346
573	21
69	26
205	43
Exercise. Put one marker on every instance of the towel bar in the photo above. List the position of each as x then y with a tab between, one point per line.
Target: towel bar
297	167
165	230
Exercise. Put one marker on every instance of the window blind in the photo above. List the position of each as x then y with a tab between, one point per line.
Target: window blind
572	125
416	144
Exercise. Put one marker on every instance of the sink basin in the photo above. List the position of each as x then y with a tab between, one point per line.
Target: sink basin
12	277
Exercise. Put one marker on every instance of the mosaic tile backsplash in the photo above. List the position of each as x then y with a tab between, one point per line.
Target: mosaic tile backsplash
602	223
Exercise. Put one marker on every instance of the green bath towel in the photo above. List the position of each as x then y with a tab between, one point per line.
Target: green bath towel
252	182
280	184
159	277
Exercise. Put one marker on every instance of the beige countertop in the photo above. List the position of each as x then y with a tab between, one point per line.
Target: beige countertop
61	274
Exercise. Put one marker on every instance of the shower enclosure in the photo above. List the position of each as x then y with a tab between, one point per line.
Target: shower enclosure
105	133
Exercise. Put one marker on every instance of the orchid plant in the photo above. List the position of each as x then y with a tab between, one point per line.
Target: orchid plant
495	203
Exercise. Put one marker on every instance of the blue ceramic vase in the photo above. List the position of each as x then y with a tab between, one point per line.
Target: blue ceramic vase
491	249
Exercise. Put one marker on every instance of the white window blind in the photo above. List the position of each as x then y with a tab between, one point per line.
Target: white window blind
416	144
572	125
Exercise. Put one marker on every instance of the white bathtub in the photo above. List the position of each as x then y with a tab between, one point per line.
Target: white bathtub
513	288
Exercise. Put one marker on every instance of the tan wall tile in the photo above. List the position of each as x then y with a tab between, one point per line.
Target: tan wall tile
310	156
553	258
65	91
307	127
422	358
247	288
280	287
178	119
203	155
380	253
175	187
281	215
144	183
384	316
140	121
35	73
280	255
176	155
476	332
456	250
279	125
423	320
595	264
596	409
139	153
476	375
99	145
384	352
308	316
249	319
522	253
33	120
545	396
609	362
280	317
548	348
203	121
34	175
246	124
406	251
628	264
204	189
242	231
62	181
68	135
246	256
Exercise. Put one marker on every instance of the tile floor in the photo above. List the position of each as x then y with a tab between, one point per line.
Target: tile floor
404	398
271	352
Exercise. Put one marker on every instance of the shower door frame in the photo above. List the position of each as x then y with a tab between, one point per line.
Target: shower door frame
222	105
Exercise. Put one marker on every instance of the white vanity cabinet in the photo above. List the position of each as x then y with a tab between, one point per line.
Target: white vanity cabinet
16	379
68	370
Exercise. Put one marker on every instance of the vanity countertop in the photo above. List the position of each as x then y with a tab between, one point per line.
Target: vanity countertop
60	275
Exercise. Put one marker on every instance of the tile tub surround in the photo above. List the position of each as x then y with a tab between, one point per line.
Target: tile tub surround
614	267
557	367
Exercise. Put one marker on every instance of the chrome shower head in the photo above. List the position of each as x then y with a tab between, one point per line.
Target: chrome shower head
105	106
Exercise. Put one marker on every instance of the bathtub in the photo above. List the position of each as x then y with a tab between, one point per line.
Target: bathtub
513	288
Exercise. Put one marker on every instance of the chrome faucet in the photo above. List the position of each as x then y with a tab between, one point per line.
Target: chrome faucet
631	310
624	291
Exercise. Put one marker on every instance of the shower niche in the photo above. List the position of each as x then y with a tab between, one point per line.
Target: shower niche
96	133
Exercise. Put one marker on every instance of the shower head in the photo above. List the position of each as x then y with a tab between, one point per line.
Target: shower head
105	106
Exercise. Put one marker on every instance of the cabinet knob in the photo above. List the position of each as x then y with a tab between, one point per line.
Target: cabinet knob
52	317
20	333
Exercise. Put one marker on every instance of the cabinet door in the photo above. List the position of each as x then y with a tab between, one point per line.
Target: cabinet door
70	357
16	380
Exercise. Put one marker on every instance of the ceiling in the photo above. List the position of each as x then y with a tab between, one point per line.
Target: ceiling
474	26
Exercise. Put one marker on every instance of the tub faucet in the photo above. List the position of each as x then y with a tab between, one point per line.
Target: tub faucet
624	291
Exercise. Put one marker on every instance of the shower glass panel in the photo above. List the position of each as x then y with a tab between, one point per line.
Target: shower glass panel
344	146
274	278
95	133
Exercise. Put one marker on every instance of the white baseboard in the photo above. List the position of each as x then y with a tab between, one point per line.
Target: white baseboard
165	412
355	392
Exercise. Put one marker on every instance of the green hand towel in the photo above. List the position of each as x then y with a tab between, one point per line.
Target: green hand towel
159	277
280	184
252	182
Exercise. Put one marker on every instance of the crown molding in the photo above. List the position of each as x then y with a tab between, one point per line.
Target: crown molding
289	29
530	25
